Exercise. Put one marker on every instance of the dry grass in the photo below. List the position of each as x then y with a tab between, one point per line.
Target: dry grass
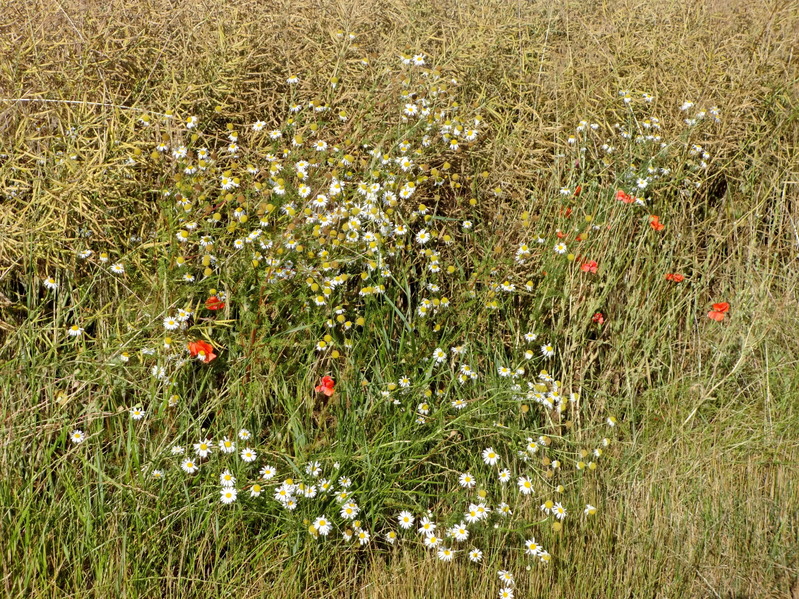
702	500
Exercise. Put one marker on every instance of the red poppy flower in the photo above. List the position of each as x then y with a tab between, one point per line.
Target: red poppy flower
560	234
624	197
673	276
578	191
326	386
718	312
214	303
590	266
202	350
598	318
654	222
567	212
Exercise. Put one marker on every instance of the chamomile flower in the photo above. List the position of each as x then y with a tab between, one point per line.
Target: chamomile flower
559	511
283	494
244	434
445	554
171	323
136	413
431	540
227	446
426	526
504	475
75	331
405	520
459	532
475	555
204	448
189	466
481	510
228	495
472	516
525	485
466	480
50	283
117	268
350	510
506	577
226	479
506	593
248	455
77	437
490	457
363	536
322	525
532	547
256	490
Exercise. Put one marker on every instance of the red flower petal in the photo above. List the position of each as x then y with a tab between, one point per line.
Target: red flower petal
590	266
624	197
202	349
327	386
214	303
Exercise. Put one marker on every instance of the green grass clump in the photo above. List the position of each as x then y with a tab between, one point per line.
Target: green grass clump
400	310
